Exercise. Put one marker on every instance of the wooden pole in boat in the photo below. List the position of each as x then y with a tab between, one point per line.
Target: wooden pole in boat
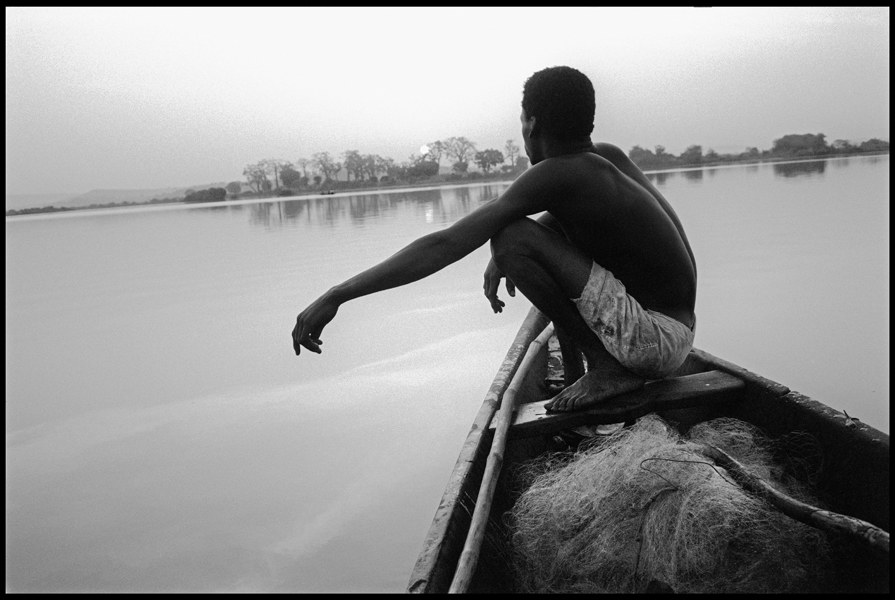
825	520
470	555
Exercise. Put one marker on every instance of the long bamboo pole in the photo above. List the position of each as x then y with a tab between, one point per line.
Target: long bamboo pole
470	555
826	520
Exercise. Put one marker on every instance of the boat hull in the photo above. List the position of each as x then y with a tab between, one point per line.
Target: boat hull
853	476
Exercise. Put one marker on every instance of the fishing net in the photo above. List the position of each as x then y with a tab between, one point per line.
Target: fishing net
643	507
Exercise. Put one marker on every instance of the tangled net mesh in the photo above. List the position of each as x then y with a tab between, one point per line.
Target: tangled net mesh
644	506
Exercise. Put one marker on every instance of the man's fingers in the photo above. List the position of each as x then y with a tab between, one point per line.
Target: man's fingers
296	335
490	288
310	342
311	345
511	288
300	338
491	294
310	323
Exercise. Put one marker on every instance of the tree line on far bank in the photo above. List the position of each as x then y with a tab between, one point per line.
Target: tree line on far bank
275	177
792	146
323	170
282	178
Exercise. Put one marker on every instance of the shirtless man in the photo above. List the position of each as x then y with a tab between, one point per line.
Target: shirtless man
603	223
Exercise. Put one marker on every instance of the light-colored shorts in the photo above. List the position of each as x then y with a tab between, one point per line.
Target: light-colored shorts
646	342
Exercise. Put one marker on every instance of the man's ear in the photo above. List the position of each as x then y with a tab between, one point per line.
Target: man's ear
535	130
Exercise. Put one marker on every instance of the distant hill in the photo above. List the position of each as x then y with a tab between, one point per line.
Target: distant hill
109	196
20	201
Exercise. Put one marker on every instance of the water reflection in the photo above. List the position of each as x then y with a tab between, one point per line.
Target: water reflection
433	205
260	214
659	178
796	169
294	210
447	204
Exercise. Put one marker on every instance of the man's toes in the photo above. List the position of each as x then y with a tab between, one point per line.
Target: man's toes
557	404
569	403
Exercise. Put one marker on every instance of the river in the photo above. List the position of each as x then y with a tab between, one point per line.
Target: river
162	436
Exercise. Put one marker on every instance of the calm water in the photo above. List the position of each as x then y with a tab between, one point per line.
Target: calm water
162	435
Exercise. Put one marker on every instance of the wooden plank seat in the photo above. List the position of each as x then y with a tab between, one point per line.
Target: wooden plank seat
665	394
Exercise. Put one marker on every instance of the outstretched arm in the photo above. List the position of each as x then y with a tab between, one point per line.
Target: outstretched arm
417	260
420	258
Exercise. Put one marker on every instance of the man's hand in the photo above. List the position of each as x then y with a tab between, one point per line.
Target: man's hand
493	275
310	324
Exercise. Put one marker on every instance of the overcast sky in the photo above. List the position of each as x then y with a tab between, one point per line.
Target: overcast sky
157	97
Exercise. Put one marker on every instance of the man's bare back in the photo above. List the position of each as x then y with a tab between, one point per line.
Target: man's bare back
615	215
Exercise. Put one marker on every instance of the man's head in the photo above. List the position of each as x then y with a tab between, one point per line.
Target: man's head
562	101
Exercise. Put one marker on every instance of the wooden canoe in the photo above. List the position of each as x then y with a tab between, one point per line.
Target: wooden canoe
853	478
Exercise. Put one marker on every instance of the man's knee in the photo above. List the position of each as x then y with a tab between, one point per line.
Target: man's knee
511	241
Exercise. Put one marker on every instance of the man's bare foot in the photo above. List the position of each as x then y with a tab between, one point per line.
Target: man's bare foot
593	388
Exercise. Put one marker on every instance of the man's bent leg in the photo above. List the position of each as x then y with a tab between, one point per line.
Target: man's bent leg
550	271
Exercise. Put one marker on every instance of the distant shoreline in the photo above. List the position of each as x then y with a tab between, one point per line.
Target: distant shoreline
738	163
482	179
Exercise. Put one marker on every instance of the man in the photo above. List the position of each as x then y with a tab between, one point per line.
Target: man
603	223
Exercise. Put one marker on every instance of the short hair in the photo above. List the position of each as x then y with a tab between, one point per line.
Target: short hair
562	99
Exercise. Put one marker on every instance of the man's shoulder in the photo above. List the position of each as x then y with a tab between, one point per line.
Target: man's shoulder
607	150
595	172
587	163
613	154
568	179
